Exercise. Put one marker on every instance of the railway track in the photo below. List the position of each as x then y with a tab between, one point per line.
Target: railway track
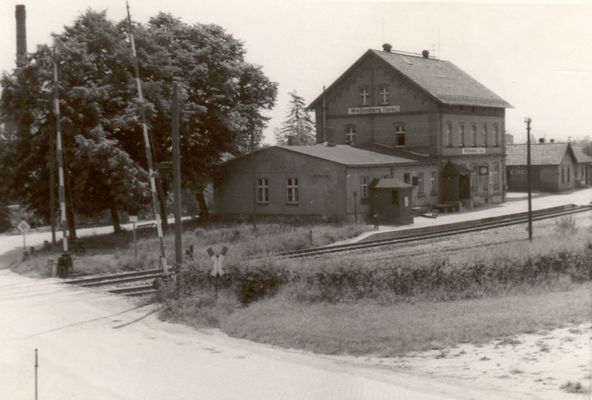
411	235
146	278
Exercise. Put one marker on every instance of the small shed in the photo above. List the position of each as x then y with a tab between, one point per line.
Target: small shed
390	201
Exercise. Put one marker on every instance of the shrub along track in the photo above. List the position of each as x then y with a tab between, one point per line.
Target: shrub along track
139	283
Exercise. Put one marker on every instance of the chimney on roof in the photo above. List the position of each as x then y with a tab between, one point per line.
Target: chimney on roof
21	34
425	54
542	140
330	140
387	47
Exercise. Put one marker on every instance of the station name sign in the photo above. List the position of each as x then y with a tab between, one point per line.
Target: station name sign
373	110
473	150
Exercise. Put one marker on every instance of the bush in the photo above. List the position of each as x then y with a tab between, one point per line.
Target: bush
566	225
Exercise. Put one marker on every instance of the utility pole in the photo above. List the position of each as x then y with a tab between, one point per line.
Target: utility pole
52	206
60	155
177	178
324	116
528	177
253	176
36	381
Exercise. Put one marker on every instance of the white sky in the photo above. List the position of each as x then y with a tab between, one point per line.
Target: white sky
535	55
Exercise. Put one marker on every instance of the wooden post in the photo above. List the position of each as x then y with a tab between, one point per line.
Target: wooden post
36	380
177	178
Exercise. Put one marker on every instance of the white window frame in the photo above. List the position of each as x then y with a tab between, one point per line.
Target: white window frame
420	188
384	95
364	182
434	182
350	135
262	190
292	191
364	96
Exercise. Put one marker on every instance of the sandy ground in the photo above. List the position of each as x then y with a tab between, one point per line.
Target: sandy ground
530	366
98	346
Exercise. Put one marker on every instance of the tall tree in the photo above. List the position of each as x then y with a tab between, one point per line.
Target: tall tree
298	124
223	100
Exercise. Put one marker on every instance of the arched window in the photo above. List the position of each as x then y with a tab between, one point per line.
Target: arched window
495	177
400	135
495	135
474	135
461	135
448	135
485	141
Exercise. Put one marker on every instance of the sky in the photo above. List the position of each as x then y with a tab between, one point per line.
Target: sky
535	55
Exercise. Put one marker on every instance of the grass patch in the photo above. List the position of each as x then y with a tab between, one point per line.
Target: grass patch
115	252
370	328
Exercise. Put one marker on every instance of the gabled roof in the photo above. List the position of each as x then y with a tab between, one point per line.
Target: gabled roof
440	79
348	155
581	157
389	183
540	153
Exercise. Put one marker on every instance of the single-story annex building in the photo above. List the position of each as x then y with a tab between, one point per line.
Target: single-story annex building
324	179
555	167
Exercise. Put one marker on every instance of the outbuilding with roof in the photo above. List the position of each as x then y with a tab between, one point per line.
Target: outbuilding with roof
555	167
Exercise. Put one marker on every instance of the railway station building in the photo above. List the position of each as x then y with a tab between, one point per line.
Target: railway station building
418	123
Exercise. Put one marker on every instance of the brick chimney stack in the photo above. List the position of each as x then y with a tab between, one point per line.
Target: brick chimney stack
21	34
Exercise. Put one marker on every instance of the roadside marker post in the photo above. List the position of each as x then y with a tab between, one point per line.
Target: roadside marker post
134	219
23	228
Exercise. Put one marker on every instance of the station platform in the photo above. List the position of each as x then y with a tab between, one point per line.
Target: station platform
516	202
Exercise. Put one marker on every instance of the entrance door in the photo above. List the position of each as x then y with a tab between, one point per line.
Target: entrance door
464	187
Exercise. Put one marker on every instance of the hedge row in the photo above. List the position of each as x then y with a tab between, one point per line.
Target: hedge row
351	280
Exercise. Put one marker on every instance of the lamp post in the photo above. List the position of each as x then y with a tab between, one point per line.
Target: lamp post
528	177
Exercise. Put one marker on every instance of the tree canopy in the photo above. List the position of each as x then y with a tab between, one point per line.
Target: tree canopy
298	124
223	100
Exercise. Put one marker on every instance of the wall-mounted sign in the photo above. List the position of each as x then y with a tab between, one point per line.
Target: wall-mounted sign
373	110
473	150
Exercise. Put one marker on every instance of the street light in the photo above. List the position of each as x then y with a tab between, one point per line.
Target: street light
527	120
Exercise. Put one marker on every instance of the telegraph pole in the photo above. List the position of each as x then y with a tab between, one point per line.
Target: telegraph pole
60	155
36	381
177	178
528	177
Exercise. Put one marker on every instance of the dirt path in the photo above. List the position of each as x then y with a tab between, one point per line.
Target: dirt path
97	346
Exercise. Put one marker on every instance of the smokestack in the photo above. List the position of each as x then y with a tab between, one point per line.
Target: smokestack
330	138
21	34
425	54
387	47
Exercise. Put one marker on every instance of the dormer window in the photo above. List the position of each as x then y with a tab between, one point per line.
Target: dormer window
350	135
384	95
364	95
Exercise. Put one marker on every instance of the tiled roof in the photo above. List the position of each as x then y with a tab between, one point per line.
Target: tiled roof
581	157
540	153
443	80
348	155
